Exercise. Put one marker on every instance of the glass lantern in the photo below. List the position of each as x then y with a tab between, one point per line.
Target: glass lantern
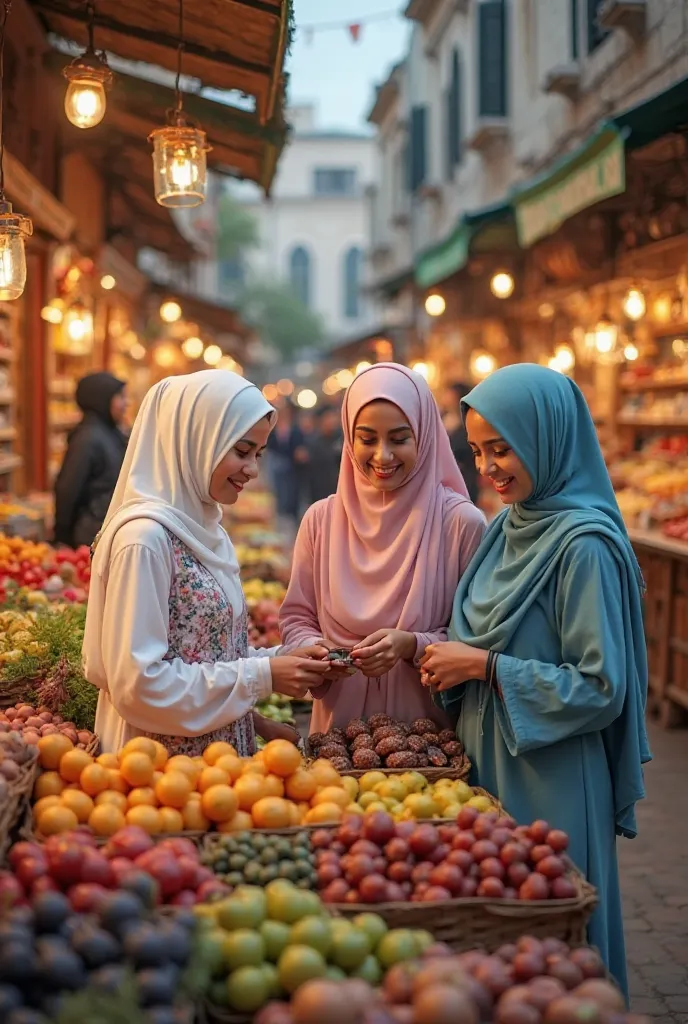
88	77
14	228
77	331
179	165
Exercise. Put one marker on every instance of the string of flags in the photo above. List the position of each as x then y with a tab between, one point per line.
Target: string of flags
353	28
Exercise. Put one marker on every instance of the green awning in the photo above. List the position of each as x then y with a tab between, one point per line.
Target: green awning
482	230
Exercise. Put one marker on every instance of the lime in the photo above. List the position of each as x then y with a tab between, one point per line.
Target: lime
395	946
239	911
275	935
272	975
248	989
334	973
210	944
217	993
299	964
373	925
243	948
369	971
289	904
423	940
314	932
349	949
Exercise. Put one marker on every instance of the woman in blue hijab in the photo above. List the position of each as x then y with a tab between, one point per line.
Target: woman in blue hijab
546	667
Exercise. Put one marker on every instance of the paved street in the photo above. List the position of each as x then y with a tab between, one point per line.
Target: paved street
654	876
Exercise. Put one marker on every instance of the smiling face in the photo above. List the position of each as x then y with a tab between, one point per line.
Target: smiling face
497	461
384	445
240	464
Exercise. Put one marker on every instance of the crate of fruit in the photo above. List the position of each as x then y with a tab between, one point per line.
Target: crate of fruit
18	770
482	880
394	747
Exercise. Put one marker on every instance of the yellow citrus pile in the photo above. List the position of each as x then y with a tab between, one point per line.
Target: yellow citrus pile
411	797
142	785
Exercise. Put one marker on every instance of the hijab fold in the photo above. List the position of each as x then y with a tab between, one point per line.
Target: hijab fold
185	427
544	417
381	562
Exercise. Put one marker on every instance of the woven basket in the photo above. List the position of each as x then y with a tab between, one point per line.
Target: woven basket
467	924
12	692
16	807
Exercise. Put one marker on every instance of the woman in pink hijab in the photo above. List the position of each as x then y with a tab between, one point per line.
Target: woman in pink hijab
376	566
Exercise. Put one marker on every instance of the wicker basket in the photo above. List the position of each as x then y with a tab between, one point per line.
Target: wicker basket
15	809
467	924
14	691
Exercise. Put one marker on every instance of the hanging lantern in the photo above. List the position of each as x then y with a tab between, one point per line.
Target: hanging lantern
179	150
77	331
88	76
634	305
14	228
606	335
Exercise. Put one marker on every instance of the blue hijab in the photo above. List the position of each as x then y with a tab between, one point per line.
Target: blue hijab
544	417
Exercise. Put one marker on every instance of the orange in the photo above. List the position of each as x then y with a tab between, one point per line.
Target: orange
232	764
94	779
301	785
323	814
106	819
109	796
216	750
241	822
137	768
142	795
304	808
324	774
161	755
331	795
271	812
146	817
294	814
274	785
139	745
281	757
48	784
108	760
44	803
254	767
57	819
73	763
116	781
171	820
173	789
79	802
248	789
184	764
193	816
212	777
52	748
219	803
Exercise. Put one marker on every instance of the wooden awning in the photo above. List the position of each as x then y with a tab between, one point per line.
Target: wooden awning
228	44
220	320
136	106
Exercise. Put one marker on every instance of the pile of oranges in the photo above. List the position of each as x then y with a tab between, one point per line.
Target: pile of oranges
142	785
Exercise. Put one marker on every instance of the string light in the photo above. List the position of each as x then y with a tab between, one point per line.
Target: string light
502	285
435	304
212	355
88	76
170	312
192	348
363	365
631	352
270	393
285	387
606	335
482	363
137	351
108	282
306	399
634	305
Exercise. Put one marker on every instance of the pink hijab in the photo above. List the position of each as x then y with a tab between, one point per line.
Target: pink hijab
384	551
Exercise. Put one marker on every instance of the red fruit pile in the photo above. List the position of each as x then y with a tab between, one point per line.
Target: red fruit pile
72	863
372	859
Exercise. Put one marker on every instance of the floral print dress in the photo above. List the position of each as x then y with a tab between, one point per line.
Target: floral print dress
203	628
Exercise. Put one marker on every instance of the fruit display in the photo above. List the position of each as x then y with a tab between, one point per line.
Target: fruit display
169	872
57	962
373	859
263	614
254	858
62	574
532	981
652	484
278	708
264	561
16	758
142	785
35	723
410	796
265	943
676	529
383	743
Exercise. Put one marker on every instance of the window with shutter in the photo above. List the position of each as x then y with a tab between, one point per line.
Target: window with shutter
492	59
353	263
300	273
418	147
574	29
454	134
596	34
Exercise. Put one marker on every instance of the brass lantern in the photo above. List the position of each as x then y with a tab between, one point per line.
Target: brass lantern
179	163
14	228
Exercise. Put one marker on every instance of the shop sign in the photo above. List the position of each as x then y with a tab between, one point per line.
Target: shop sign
443	260
601	176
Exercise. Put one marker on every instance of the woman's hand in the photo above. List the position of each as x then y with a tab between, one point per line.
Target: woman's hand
294	676
381	651
270	730
451	664
318	652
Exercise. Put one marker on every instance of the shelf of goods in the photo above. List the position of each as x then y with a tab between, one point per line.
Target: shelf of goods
11	461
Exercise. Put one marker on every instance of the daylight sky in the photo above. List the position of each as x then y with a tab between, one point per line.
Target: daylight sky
331	70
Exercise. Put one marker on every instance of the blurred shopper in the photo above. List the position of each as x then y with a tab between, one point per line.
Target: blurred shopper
325	447
94	456
288	453
458	438
376	565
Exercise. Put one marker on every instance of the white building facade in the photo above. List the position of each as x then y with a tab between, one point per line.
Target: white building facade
494	92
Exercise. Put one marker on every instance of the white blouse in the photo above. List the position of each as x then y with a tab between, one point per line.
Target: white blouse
144	692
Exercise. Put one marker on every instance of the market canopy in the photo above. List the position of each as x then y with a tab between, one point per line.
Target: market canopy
228	44
485	230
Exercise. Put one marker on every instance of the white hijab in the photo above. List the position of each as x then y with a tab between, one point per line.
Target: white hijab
185	427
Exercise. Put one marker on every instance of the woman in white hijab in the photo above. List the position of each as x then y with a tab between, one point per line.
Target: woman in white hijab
166	629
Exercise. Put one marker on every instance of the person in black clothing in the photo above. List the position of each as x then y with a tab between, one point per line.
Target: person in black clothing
94	456
459	439
288	455
325	446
